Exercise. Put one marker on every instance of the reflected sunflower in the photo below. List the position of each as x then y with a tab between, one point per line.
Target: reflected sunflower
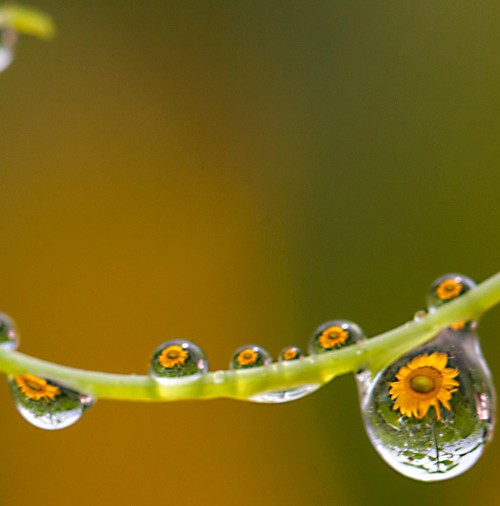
247	357
424	382
173	356
36	388
333	336
449	289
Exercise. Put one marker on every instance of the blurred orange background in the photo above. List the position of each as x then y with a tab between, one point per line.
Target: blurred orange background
234	172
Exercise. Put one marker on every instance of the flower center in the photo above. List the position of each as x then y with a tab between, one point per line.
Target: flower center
422	384
173	354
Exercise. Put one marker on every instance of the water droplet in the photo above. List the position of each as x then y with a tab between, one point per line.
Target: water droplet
178	360
288	355
46	404
8	38
250	356
333	335
446	288
9	339
432	412
419	315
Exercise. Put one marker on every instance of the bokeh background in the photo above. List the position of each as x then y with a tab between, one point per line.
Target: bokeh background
234	172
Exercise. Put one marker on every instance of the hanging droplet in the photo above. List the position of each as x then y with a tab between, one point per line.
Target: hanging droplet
447	288
46	404
8	38
178	360
334	335
287	355
9	339
432	412
250	356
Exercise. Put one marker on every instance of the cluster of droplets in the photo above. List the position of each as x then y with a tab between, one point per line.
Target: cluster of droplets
431	413
42	402
180	361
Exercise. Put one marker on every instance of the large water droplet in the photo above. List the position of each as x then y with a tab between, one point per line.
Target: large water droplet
333	335
250	356
8	39
9	339
178	360
432	412
288	355
46	404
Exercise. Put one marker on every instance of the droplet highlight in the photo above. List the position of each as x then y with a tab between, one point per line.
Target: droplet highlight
9	338
334	335
432	412
47	404
178	360
250	356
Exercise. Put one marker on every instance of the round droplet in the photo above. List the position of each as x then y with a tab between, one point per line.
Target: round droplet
178	359
9	339
8	38
432	412
419	315
446	288
334	335
249	356
290	353
46	404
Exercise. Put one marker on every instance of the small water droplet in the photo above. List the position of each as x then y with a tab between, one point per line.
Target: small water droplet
419	315
288	355
250	356
447	288
177	360
47	404
333	335
431	413
9	339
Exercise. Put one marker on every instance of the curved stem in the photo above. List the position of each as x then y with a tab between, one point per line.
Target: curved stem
374	353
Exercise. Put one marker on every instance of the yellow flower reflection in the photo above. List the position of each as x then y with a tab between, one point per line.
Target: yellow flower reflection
36	388
333	336
173	356
449	289
424	382
247	357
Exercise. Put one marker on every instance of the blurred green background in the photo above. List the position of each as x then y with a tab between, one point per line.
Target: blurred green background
231	172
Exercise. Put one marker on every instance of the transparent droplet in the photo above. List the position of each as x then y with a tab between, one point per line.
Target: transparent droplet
432	412
288	355
178	360
419	315
333	335
447	288
250	356
8	38
46	404
9	339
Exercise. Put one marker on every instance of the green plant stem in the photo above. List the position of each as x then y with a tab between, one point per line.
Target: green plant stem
374	353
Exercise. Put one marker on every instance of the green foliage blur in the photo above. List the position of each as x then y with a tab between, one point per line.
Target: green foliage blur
234	172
